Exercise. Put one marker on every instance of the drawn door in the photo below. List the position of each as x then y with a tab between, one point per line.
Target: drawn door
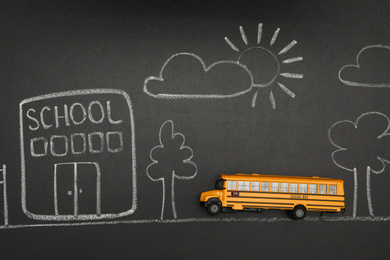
88	185
77	189
64	189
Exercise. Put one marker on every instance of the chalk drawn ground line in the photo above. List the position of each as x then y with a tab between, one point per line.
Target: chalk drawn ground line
203	220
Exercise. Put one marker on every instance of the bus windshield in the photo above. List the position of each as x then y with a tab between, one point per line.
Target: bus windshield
219	184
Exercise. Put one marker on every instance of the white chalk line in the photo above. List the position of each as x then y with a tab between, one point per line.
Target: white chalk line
357	65
254	99
133	156
204	220
292	75
259	32
355	191
364	219
274	37
243	35
286	90
288	47
291	60
231	44
173	195
5	199
368	184
272	99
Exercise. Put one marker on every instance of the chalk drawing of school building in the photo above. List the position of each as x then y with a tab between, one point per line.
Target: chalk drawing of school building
78	155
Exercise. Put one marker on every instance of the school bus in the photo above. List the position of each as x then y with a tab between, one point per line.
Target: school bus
254	192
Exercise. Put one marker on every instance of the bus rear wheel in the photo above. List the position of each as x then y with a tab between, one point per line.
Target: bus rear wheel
214	208
298	213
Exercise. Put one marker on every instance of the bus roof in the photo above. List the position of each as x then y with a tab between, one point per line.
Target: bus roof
256	175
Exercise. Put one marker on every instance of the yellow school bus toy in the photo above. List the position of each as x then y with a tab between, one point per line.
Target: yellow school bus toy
254	192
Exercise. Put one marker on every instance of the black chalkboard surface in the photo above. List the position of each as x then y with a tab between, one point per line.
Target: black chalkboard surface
115	116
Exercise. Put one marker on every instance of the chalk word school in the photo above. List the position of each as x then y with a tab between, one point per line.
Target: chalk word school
68	116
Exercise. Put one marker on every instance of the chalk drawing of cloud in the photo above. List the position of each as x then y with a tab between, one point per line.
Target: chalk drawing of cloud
372	68
185	76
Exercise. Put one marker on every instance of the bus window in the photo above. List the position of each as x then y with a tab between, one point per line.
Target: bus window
322	189
284	187
303	188
313	188
275	186
219	184
294	187
232	185
243	185
264	186
255	186
332	189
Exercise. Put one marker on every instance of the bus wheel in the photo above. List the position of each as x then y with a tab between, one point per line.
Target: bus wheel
214	208
299	212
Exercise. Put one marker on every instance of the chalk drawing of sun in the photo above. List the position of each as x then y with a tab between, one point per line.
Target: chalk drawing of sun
264	65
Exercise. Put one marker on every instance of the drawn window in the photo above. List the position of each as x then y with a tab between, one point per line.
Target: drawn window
303	188
243	185
322	189
232	185
294	187
264	186
284	187
332	189
275	186
96	142
313	188
255	185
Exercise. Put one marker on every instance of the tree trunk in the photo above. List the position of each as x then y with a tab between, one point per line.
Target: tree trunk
360	207
355	192
368	184
168	210
173	195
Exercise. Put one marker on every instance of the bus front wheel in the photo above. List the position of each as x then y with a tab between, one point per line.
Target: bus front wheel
214	208
298	213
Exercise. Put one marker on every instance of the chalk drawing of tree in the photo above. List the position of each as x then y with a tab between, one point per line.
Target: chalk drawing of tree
361	143
170	160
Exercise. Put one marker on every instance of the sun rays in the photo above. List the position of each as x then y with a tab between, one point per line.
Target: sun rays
257	58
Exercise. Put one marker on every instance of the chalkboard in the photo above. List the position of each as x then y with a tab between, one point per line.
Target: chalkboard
116	116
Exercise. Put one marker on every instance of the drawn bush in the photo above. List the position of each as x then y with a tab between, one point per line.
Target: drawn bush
359	144
171	160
